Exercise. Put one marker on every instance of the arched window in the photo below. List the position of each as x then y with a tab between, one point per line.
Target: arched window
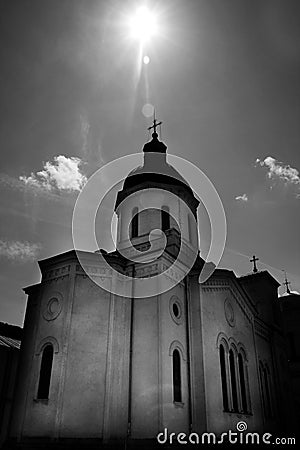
176	376
135	222
268	408
235	404
265	389
165	218
234	375
242	383
224	378
45	372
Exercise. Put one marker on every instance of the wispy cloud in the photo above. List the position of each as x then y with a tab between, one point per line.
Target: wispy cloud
90	134
61	174
242	198
277	170
19	251
11	182
280	170
84	131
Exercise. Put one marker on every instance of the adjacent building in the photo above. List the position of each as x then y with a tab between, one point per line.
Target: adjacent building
10	341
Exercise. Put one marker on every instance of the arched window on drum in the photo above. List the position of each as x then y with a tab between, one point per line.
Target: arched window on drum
45	372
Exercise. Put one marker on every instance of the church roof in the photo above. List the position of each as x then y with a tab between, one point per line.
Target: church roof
290	301
291	293
160	173
256	276
9	342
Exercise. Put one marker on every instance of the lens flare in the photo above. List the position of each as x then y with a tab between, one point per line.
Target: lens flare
148	110
143	25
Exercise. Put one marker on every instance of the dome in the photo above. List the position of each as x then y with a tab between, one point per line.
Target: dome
156	172
155	168
165	174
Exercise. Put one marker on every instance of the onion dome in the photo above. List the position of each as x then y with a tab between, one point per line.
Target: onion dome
157	173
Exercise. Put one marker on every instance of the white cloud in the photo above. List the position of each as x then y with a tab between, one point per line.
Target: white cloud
242	198
19	251
34	189
62	174
277	169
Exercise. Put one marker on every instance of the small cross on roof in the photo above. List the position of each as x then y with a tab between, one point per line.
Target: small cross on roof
254	259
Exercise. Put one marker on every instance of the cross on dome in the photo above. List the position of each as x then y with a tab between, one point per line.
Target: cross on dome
154	126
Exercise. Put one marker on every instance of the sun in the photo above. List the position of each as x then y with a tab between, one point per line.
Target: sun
143	24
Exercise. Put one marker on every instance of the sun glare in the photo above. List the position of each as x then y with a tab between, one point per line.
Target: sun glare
143	25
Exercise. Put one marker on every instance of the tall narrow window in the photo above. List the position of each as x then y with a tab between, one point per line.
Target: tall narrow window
176	376
223	378
45	372
165	218
267	393
233	381
242	383
261	376
135	223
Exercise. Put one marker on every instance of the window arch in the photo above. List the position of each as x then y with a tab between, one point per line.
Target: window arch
45	372
233	380
261	379
165	218
242	380
222	356
135	222
234	375
265	382
266	389
177	395
267	392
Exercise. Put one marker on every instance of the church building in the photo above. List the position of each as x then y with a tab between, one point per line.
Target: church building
98	368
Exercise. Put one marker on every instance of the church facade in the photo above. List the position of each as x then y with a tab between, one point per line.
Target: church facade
98	368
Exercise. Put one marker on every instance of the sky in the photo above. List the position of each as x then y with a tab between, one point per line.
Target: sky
224	79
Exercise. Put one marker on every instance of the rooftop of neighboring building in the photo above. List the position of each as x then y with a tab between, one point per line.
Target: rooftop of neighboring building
10	335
